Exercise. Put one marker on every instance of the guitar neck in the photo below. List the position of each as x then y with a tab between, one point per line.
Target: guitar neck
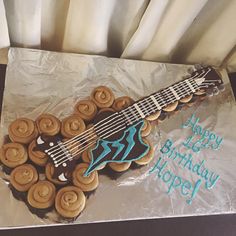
155	102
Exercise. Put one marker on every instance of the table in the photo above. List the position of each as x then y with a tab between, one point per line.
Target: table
195	226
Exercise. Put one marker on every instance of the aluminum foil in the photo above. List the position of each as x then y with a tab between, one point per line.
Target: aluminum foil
41	81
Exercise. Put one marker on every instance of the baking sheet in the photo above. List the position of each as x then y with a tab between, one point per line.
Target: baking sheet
41	81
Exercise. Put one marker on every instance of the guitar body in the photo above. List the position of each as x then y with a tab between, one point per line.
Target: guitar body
125	146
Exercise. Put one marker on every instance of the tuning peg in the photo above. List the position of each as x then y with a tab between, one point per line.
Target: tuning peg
215	91
186	76
198	66
209	92
191	70
221	87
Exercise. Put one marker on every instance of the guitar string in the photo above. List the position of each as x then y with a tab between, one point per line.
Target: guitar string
60	161
120	126
136	113
133	112
112	126
109	117
82	135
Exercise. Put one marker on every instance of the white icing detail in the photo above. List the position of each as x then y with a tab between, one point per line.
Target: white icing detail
52	155
190	85
139	111
39	140
174	92
51	144
155	102
46	150
199	81
56	165
62	177
64	164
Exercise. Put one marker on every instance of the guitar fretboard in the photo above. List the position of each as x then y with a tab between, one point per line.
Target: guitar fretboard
157	101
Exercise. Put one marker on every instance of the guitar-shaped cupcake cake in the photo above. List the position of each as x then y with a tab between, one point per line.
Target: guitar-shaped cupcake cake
116	136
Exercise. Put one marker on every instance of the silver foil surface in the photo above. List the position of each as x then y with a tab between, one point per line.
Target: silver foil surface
41	81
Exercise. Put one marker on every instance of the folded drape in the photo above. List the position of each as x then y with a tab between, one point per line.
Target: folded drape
186	31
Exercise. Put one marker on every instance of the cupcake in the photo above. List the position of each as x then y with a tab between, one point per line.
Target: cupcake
49	171
102	96
86	157
41	197
148	157
171	107
114	169
37	157
48	124
72	126
146	129
122	102
70	202
22	130
22	178
13	155
85	183
86	109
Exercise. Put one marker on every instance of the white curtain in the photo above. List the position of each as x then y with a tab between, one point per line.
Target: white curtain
177	31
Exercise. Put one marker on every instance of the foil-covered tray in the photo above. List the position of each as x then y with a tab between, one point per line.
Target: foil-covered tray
41	81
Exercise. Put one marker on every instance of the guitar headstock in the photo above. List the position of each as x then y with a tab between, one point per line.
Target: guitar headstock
207	79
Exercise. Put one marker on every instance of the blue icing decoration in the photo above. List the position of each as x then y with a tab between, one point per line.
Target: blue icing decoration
175	182
131	131
207	138
185	160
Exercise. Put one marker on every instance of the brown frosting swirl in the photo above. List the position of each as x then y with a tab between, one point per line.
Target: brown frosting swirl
186	98
102	96
22	130
49	171
41	195
72	126
70	201
153	116
85	183
122	102
48	124
23	177
148	157
38	157
146	129
171	107
13	154
119	167
86	157
86	109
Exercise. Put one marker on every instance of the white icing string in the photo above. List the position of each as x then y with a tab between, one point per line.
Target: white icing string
101	128
107	134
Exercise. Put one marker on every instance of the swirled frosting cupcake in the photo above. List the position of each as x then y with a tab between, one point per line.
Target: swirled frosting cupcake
122	102
119	167
41	195
86	109
86	157
13	155
72	126
48	124
22	130
146	129
49	171
148	157
85	183
37	157
102	96
70	201
23	177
